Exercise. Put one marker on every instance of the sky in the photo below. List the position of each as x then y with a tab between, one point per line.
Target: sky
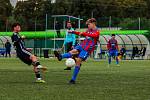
13	2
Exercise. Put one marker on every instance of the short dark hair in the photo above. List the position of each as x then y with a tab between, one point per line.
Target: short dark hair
14	25
113	35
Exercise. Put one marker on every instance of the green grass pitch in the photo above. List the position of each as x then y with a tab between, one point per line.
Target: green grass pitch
130	81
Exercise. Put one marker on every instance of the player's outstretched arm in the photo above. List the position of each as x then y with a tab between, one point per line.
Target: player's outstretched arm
93	35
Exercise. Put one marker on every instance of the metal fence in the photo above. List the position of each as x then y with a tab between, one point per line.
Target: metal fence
47	22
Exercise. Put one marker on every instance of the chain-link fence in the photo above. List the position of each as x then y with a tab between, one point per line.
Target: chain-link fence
43	23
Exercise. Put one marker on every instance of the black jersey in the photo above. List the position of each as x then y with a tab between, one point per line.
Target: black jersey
21	51
17	41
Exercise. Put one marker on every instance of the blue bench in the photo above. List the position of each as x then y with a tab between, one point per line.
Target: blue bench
2	51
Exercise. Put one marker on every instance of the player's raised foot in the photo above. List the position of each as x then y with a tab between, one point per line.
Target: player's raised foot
72	82
67	68
58	55
40	81
44	69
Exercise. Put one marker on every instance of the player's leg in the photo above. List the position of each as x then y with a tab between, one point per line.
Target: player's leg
65	55
38	75
36	62
76	70
30	59
116	56
69	48
37	67
9	53
57	31
69	54
59	34
27	60
6	53
82	56
109	57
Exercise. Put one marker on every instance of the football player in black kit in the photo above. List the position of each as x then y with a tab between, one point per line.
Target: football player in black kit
24	55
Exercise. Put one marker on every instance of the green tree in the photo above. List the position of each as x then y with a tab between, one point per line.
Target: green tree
5	12
35	10
32	12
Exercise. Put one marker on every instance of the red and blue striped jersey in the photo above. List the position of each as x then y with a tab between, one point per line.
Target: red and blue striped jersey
91	39
112	44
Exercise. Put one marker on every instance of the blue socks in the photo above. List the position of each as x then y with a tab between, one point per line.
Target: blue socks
109	60
66	55
75	73
76	69
117	60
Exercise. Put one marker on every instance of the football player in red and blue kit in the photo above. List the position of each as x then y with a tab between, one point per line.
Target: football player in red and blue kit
113	49
84	49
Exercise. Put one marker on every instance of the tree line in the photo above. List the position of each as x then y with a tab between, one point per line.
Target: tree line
31	13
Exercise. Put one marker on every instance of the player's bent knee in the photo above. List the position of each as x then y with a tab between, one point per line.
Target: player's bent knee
78	61
33	58
74	52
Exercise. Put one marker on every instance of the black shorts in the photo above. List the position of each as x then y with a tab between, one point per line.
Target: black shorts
69	46
24	55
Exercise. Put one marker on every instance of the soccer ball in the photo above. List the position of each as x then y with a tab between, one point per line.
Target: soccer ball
70	62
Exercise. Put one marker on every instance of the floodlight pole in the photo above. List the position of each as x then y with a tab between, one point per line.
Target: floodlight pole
6	24
79	22
46	32
35	33
64	24
110	22
139	23
92	14
35	24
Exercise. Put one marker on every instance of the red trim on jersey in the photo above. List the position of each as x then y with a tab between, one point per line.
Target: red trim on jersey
109	44
89	44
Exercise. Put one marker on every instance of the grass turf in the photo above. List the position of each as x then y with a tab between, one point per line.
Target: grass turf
130	81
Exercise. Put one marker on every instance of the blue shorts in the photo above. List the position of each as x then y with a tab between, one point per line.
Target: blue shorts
82	53
113	53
